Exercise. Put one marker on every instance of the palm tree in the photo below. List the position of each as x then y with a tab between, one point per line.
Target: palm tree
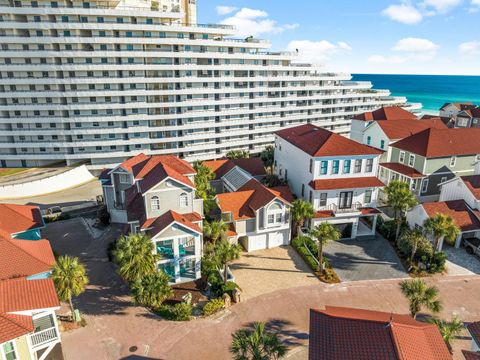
238	154
215	230
135	257
257	344
324	233
420	294
70	278
301	211
226	252
152	290
415	239
268	157
448	329
400	199
441	226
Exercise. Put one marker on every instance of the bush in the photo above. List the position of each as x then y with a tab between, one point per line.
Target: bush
437	263
218	287
388	229
179	312
424	247
298	244
213	306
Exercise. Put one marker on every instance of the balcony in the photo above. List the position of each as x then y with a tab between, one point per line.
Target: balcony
353	208
43	337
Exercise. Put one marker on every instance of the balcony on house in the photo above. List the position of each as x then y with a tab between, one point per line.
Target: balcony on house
45	331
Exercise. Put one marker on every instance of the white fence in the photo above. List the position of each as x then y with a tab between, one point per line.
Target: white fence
54	183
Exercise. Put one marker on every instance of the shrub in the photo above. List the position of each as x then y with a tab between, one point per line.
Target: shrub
424	247
218	287
388	229
298	244
213	306
437	263
181	312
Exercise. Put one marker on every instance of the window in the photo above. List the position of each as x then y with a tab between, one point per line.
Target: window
323	199
303	190
369	140
345	200
369	166
382	144
310	197
368	196
324	168
411	160
275	214
183	200
9	351
453	161
401	158
155	203
358	166
443	179
311	166
425	186
335	166
346	166
124	179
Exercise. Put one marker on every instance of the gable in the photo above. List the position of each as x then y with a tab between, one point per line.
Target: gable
169	184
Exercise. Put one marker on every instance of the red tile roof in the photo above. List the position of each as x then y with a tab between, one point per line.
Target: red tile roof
22	294
21	258
401	129
324	214
369	211
13	326
346	183
251	197
387	113
403	169
473	184
18	218
317	141
474	330
353	334
154	226
254	166
459	106
433	142
465	218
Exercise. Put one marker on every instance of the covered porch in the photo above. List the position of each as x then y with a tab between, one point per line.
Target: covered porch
395	171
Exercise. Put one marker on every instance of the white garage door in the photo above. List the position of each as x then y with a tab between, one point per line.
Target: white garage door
275	239
257	242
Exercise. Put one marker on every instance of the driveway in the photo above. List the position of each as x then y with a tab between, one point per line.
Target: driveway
459	262
366	259
264	271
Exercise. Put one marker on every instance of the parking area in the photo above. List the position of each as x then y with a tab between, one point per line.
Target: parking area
459	262
365	259
264	271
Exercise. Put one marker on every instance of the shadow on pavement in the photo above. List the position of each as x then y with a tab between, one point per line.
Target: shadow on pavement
289	336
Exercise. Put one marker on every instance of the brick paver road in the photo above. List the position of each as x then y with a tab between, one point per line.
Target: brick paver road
114	325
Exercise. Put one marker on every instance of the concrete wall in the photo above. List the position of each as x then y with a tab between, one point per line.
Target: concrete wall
65	180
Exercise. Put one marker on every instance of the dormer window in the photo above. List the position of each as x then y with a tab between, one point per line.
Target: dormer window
124	179
155	203
183	200
275	214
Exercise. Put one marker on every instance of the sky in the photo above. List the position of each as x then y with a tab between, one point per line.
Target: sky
362	36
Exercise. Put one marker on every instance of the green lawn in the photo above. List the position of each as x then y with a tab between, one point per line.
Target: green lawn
11	171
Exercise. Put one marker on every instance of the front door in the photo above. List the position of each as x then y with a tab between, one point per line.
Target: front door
345	200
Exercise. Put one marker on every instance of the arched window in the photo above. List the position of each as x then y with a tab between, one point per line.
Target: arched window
155	203
275	214
183	200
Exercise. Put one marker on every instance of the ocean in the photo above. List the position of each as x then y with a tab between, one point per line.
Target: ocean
431	90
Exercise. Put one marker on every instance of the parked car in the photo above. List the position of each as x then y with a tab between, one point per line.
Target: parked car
472	245
54	210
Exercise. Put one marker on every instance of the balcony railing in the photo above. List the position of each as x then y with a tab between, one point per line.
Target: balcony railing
44	336
337	209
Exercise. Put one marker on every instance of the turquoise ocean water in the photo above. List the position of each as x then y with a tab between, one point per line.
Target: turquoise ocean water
431	90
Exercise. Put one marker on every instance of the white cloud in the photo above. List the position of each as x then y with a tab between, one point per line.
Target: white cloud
403	13
416	45
225	10
441	5
380	59
252	22
475	6
413	50
470	48
317	51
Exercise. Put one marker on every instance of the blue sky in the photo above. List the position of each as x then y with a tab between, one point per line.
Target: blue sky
363	36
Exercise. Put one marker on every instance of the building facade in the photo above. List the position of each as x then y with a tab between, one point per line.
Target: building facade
102	81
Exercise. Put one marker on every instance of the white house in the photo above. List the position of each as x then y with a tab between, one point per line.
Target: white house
156	195
337	175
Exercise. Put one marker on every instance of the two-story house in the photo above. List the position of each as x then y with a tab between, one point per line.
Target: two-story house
431	157
21	221
259	217
337	175
460	115
156	195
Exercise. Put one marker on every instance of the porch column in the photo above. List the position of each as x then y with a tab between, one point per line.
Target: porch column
374	224
355	228
440	244
176	256
458	241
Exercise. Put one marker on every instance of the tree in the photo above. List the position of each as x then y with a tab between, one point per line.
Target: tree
301	211
238	154
134	254
324	233
215	230
272	180
202	181
441	226
448	329
152	290
412	241
257	344
420	294
226	252
70	278
268	157
401	199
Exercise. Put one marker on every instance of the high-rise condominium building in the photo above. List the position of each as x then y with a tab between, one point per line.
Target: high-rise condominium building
101	81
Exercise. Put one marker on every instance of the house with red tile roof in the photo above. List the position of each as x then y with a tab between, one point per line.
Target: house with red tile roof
336	174
21	221
355	334
430	158
461	115
259	217
156	195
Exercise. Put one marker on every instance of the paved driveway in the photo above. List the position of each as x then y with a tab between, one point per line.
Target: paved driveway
264	271
366	259
459	262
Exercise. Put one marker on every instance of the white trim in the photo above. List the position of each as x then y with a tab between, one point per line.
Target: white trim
152	189
400	157
410	156
169	225
424	186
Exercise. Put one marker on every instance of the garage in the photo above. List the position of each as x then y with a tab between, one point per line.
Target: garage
345	230
254	242
277	239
